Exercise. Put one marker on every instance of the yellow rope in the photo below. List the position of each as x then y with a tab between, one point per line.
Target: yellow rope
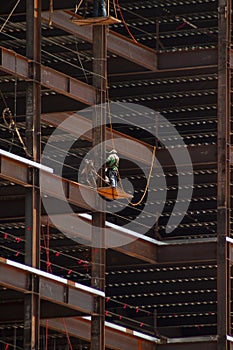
6	114
113	145
9	16
108	8
148	180
51	13
78	6
114	6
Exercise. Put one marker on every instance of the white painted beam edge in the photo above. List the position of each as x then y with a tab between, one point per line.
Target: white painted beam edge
230	338
128	331
26	161
230	240
54	277
126	231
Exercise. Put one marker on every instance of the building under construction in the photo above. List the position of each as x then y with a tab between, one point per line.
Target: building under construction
145	266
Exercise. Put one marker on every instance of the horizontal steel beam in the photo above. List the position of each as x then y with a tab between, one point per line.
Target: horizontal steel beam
208	344
18	172
197	58
146	248
200	155
52	288
118	337
116	43
141	247
18	65
115	337
13	311
171	253
136	52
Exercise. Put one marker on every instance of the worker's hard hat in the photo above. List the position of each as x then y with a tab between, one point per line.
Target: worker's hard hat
113	151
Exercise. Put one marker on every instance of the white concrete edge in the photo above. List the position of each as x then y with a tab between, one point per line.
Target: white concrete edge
128	331
230	338
230	240
26	161
126	231
54	277
149	239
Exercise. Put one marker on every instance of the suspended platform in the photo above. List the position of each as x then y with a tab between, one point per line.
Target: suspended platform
113	193
95	21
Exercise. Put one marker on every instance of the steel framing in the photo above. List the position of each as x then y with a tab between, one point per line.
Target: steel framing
223	196
17	172
32	196
200	155
72	88
51	288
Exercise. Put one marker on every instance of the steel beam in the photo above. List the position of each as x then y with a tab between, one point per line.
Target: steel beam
13	311
171	253
52	288
181	60
200	155
190	345
117	43
224	185
98	251
17	172
135	52
148	249
33	152
116	337
18	65
223	198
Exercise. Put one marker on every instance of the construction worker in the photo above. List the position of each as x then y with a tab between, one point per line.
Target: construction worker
112	164
99	8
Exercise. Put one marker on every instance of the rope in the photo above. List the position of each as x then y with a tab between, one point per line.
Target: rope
114	6
124	22
78	6
51	13
47	335
113	145
15	105
148	180
79	58
67	335
108	8
47	248
9	16
6	114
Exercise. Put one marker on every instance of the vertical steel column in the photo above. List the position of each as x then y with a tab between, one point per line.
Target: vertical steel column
32	201
223	197
98	218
